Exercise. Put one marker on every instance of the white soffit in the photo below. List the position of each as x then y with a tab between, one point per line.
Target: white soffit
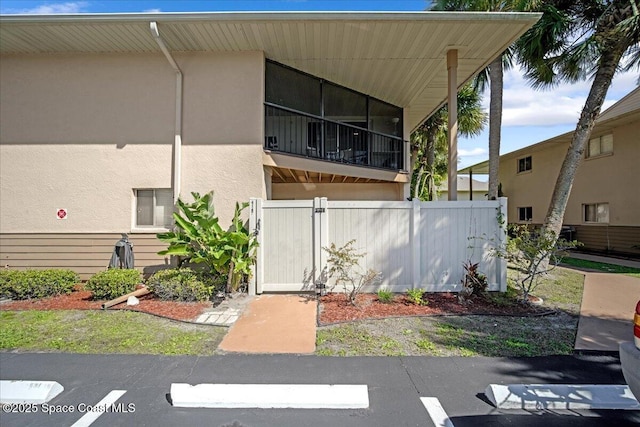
397	57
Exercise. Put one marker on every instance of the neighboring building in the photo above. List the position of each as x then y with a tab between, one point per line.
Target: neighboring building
107	119
468	189
603	211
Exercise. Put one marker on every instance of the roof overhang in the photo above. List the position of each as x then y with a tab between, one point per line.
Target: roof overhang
398	57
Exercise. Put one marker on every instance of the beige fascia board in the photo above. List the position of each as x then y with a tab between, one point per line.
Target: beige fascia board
292	162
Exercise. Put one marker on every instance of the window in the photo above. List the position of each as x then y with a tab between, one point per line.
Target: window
525	214
600	145
524	164
154	208
290	88
596	212
385	118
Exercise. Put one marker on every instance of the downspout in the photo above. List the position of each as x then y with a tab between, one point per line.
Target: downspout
177	141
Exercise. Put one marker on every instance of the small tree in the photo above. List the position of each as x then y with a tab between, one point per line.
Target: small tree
527	251
343	263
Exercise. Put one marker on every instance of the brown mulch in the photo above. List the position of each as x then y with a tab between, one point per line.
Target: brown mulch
81	300
334	308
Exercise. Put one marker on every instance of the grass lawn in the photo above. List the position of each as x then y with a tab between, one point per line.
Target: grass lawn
600	266
495	336
87	331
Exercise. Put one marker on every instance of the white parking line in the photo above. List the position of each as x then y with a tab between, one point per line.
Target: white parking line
436	412
99	408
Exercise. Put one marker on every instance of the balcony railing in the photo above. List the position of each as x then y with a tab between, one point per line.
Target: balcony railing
293	132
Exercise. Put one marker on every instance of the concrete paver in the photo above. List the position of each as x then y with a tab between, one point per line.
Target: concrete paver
227	312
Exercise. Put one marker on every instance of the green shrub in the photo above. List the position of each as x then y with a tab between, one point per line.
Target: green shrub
113	283
416	296
182	284
6	278
29	284
385	296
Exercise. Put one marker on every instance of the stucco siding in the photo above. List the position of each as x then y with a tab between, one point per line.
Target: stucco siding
531	188
81	132
115	99
346	191
233	172
94	182
223	97
86	253
610	179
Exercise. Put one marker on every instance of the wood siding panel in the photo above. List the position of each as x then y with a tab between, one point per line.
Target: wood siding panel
86	254
607	238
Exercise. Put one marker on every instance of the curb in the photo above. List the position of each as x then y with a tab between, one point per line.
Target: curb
561	396
266	396
31	392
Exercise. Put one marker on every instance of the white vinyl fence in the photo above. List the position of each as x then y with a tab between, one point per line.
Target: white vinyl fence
413	244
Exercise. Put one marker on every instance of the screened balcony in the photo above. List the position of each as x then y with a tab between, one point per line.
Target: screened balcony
302	134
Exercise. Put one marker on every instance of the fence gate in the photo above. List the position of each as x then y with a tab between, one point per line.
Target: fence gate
291	234
413	244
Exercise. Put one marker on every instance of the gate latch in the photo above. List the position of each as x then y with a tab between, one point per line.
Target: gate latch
319	210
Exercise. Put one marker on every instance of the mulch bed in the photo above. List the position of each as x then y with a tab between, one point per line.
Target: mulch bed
81	300
334	308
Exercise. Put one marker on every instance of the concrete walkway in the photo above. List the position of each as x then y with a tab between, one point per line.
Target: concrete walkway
606	313
274	324
608	303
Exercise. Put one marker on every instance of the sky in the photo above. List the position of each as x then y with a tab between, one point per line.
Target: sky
529	116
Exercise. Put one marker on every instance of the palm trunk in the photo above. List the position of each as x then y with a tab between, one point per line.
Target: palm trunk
611	55
495	124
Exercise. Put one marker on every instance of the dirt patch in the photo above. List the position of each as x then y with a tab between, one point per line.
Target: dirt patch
334	308
81	300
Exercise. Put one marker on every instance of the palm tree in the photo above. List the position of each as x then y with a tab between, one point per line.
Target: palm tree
574	40
493	75
429	141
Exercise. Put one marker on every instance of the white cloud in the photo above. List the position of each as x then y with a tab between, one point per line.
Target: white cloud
52	9
472	152
525	106
152	11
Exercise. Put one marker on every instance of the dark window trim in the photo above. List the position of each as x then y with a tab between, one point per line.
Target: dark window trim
524	170
526	210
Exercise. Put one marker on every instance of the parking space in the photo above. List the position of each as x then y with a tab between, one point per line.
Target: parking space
400	391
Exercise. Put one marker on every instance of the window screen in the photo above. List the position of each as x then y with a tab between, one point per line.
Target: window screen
154	208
